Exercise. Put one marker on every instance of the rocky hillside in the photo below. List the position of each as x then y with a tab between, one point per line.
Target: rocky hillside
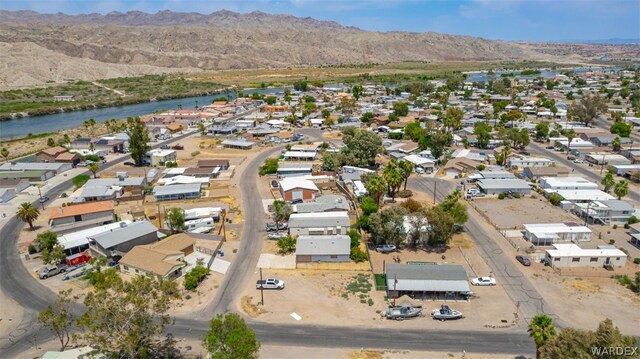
136	42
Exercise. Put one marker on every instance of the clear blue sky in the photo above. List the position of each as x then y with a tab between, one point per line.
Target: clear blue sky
541	20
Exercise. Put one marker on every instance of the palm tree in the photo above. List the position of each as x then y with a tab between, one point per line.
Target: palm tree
94	167
407	168
28	213
394	177
4	152
541	329
376	187
621	188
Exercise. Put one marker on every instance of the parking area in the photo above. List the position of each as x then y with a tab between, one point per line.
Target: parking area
534	209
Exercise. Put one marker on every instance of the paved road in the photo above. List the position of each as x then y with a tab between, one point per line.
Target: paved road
506	271
579	169
29	293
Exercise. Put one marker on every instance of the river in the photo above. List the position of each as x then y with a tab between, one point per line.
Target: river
22	127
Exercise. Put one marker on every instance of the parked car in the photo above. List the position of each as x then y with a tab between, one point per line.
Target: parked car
385	248
274	184
578	160
50	271
164	147
524	260
272	227
483	281
129	163
526	153
277	235
82	164
550	147
282	226
419	170
473	190
43	199
297	200
270	283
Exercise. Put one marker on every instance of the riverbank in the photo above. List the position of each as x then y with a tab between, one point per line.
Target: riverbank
121	101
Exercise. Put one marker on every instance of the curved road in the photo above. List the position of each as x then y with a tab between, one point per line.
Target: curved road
17	283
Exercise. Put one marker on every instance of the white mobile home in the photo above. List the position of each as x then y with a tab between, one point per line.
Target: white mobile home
319	223
567	183
544	234
572	256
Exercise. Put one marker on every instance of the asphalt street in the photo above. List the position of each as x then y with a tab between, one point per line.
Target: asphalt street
517	286
18	284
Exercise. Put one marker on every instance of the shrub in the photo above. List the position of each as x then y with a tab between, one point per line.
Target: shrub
405	193
626	226
358	255
615	226
195	153
636	260
368	205
517	195
501	196
286	245
411	205
481	167
270	167
555	199
632	220
612	241
194	277
93	158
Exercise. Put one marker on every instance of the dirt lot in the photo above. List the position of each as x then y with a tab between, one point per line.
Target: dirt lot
522	210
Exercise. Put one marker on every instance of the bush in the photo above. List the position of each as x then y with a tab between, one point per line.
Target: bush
481	167
636	260
615	226
612	241
501	196
411	205
194	277
93	158
368	205
171	164
405	193
286	245
627	226
555	199
270	166
358	255
195	153
517	195
355	237
632	220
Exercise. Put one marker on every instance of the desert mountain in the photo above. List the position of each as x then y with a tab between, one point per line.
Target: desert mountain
42	45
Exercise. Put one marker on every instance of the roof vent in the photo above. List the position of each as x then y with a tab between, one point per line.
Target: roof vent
123	224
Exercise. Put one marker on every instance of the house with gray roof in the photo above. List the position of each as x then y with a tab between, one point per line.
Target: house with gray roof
177	192
497	186
329	248
426	281
118	241
324	223
326	203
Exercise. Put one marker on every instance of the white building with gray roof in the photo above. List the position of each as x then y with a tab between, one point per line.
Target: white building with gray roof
426	281
119	241
330	248
325	223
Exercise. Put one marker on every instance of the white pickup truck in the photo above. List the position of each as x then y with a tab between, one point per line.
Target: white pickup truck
270	283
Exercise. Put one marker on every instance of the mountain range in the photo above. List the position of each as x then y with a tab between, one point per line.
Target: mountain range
37	48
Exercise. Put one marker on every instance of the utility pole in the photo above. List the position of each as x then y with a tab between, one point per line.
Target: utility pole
602	166
41	201
435	186
586	216
261	289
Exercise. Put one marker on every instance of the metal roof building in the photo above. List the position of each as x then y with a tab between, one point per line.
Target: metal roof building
497	186
429	280
326	248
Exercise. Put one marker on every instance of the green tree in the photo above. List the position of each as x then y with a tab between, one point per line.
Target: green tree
542	130
127	318
331	161
286	245
414	131
229	337
393	176
616	144
270	100
366	117
441	226
541	329
46	241
94	167
281	211
54	256
456	209
483	133
376	185
406	168
59	319
175	219
587	109
28	213
138	139
270	166
621	129
387	226
51	142
401	108
452	118
608	182
193	278
4	152
437	142
571	134
368	205
300	86
326	114
202	129
356	91
621	188
361	146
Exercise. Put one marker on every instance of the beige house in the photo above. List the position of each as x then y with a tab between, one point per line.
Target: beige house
164	259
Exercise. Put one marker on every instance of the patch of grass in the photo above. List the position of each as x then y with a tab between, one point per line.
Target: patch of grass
381	281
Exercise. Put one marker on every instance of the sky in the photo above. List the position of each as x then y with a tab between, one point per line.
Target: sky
518	20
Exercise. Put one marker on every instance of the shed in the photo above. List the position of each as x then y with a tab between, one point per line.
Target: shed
426	280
